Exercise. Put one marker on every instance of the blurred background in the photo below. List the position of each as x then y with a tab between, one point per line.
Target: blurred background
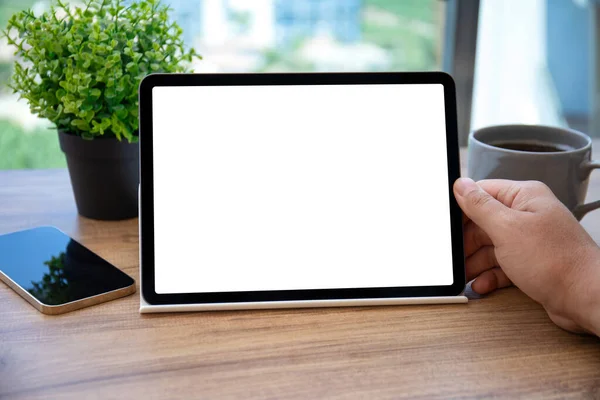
515	61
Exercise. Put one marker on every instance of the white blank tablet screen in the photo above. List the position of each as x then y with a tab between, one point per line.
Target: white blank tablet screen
300	187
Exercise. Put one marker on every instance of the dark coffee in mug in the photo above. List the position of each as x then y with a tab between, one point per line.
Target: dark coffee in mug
533	147
559	157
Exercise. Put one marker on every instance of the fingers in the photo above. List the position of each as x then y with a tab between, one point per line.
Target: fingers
503	190
475	238
490	280
481	261
516	194
481	207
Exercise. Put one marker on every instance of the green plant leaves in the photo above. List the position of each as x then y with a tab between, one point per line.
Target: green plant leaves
82	71
95	93
60	93
80	124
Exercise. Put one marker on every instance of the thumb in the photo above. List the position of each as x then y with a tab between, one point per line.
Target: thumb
481	207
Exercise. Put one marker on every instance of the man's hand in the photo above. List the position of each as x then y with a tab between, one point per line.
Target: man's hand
519	232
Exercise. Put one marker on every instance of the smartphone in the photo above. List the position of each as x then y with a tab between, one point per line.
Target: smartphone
56	274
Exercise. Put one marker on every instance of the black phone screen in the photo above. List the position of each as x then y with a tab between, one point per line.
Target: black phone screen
56	269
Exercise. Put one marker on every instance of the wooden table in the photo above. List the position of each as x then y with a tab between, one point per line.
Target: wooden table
502	346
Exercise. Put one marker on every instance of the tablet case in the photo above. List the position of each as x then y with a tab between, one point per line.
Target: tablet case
146	308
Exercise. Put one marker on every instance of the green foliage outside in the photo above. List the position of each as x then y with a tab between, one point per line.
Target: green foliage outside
420	10
82	70
411	45
20	149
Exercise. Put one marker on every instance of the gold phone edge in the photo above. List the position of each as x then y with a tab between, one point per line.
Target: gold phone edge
71	306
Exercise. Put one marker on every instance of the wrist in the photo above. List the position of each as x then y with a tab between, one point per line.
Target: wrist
594	310
587	307
595	321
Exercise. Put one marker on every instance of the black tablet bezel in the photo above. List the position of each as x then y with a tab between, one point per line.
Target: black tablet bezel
147	190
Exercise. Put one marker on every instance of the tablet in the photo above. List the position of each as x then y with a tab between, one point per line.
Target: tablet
298	190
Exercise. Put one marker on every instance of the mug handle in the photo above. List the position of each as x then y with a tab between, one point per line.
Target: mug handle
586	168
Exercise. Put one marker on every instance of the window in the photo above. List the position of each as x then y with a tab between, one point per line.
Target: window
319	35
537	63
258	36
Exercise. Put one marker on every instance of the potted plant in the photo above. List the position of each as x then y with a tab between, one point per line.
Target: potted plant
80	67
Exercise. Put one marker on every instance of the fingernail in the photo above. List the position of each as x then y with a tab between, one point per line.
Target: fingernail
465	185
477	287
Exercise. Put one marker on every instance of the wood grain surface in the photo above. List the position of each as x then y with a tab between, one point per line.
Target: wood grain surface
500	346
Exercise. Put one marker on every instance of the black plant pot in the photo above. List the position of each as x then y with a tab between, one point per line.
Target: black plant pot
104	175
